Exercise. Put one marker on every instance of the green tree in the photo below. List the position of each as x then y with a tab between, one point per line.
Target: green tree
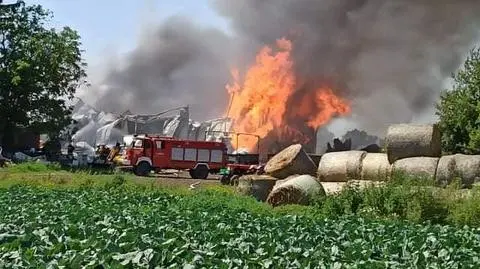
459	109
40	70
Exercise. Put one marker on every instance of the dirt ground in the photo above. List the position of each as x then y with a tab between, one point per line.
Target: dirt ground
174	178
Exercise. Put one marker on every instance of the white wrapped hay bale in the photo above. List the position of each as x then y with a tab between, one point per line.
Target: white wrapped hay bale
296	190
445	170
411	140
424	167
258	186
375	167
340	166
290	161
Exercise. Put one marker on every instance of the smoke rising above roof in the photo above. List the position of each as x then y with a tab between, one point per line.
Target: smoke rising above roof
390	58
174	65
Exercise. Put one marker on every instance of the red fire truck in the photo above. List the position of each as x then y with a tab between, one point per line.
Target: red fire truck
147	153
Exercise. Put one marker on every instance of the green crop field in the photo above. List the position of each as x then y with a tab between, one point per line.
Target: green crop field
42	227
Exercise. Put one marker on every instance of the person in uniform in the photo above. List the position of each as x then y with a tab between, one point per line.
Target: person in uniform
114	152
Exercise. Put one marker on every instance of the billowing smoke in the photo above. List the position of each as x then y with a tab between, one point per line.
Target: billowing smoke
390	58
176	65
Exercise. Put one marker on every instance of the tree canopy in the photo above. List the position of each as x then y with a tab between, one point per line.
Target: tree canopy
459	109
40	70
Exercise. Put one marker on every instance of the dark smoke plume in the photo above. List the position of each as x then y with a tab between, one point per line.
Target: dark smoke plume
389	57
177	64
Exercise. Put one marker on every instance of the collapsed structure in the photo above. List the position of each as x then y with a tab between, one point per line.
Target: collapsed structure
94	127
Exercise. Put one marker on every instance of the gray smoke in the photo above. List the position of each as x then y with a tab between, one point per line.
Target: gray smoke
176	65
389	57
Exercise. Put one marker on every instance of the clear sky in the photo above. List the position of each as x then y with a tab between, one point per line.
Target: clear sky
106	25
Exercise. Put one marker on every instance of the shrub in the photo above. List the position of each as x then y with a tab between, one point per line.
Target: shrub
459	109
465	210
405	198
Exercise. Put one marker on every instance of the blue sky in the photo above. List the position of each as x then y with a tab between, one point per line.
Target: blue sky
106	25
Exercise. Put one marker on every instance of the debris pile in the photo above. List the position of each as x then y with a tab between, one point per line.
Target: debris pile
101	128
339	145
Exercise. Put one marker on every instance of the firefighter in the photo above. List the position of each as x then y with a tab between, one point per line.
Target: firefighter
114	152
103	152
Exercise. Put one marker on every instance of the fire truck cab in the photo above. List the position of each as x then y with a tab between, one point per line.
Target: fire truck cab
147	153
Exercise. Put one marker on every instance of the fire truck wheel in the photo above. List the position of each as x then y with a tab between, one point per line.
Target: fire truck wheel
200	172
143	169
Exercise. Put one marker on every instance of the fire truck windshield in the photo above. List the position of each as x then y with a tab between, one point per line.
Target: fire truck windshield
137	143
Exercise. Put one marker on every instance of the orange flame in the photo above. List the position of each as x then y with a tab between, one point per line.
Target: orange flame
263	101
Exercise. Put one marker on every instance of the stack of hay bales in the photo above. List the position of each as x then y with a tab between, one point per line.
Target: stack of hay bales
290	179
414	149
411	149
337	168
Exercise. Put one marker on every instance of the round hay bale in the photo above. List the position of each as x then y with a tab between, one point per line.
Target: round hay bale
290	161
296	190
362	184
281	181
375	167
446	170
467	167
410	140
340	166
258	186
332	188
424	167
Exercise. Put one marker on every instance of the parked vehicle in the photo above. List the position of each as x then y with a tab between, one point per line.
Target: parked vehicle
240	164
148	153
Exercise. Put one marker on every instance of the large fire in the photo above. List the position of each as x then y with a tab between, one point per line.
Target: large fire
267	102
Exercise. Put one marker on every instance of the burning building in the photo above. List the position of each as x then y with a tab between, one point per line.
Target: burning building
372	62
272	102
